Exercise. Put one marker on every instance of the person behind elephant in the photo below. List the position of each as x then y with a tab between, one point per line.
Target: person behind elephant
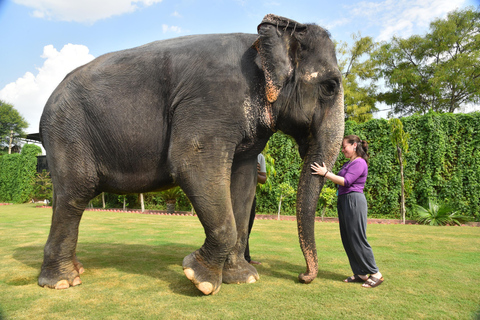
261	178
352	210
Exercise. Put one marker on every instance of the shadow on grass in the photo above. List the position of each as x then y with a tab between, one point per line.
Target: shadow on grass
284	270
153	261
162	262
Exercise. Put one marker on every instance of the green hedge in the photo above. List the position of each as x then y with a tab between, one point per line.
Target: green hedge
442	163
17	174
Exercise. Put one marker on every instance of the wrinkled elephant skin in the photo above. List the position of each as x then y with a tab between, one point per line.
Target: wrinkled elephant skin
194	112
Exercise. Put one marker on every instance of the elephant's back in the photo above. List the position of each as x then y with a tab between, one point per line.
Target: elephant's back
196	44
129	95
137	74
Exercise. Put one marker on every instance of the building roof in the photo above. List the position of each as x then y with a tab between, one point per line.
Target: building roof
34	137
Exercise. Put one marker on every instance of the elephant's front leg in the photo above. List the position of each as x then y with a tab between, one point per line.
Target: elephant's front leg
205	179
244	179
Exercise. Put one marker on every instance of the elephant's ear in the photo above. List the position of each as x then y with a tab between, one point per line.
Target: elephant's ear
276	46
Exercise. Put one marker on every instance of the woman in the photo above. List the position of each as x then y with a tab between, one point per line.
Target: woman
352	210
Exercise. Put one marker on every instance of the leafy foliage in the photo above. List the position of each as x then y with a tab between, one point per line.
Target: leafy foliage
171	194
399	139
443	162
439	71
328	202
123	200
400	143
439	214
358	72
10	119
17	174
42	186
283	149
286	192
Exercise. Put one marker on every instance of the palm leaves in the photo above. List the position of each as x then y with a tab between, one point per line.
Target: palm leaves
439	214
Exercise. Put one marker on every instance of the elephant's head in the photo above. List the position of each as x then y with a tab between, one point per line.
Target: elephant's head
304	88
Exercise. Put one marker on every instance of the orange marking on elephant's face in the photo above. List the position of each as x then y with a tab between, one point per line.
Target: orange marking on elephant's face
271	92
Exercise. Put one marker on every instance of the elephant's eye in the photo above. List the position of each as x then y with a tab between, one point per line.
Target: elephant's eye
329	87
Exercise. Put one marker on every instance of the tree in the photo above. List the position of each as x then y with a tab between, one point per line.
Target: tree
439	71
42	186
10	120
358	72
400	142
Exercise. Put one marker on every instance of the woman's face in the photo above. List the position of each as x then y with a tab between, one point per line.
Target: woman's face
348	149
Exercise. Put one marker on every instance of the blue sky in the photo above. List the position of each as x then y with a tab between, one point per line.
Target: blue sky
42	40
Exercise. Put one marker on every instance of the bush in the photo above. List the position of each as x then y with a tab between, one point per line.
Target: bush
439	214
327	204
42	186
17	174
443	162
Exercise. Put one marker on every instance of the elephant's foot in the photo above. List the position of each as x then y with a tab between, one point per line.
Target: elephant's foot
64	284
51	279
206	279
307	277
240	272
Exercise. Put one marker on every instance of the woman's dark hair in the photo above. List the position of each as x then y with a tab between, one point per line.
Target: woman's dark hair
362	146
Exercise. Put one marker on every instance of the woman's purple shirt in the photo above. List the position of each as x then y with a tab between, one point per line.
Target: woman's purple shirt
355	174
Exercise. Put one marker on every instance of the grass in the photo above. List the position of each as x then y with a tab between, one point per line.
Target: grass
133	271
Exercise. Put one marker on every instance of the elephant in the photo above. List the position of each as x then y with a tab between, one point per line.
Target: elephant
194	112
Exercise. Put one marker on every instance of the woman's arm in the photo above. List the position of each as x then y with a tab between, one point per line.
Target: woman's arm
322	171
261	176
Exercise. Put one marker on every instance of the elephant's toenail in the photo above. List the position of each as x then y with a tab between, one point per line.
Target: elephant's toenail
205	287
62	284
76	281
189	273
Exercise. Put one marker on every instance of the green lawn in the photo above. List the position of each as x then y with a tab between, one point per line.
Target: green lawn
133	271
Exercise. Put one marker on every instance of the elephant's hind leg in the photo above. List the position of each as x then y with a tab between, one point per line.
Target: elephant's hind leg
61	268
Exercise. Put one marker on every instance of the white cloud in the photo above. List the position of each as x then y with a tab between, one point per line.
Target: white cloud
29	93
336	23
174	29
87	11
402	17
177	15
467	108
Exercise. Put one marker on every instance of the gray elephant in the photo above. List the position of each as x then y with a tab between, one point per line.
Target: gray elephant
194	112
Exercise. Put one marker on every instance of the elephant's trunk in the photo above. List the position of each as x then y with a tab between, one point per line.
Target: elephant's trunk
324	146
307	198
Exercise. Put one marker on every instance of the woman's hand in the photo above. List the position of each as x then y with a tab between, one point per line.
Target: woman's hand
318	169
